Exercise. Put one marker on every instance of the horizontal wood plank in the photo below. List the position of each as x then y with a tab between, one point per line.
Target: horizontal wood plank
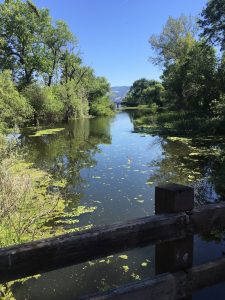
168	286
73	248
48	254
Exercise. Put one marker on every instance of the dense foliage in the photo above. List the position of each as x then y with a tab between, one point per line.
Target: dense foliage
144	91
42	77
212	22
14	108
192	83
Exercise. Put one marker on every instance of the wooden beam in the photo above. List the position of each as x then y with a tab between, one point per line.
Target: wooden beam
73	248
48	254
160	287
168	286
206	217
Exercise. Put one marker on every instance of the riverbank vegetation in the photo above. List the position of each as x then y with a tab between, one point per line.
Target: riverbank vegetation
191	95
43	80
42	76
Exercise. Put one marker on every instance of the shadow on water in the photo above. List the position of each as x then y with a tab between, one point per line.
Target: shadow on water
108	166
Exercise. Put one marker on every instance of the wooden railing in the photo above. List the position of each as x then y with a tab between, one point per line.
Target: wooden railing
171	229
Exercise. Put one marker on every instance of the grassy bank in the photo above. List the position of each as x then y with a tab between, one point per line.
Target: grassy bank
179	122
139	107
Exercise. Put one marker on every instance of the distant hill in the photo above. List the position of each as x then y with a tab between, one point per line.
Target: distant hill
118	93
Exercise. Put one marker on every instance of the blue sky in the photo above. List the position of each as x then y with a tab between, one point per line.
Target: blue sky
113	34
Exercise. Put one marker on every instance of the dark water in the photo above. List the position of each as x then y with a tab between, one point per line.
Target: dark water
111	168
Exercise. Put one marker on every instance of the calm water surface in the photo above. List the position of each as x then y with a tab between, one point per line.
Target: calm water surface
114	170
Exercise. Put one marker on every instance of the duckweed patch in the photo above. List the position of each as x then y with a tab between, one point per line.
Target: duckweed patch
125	268
47	132
123	256
179	139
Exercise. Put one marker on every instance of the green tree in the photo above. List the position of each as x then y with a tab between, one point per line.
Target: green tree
22	47
144	91
190	66
57	39
212	22
75	102
38	51
14	108
46	105
71	67
135	95
169	45
191	82
97	88
154	93
102	107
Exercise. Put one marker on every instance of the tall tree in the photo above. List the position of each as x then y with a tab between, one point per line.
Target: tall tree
14	109
212	22
22	47
221	74
169	45
144	91
154	93
58	39
72	68
191	82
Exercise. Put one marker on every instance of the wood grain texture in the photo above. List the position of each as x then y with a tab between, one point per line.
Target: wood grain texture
48	254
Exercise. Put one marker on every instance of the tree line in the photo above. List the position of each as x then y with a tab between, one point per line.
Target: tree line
190	52
42	76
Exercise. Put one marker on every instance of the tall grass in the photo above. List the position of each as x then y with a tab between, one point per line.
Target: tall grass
25	202
182	122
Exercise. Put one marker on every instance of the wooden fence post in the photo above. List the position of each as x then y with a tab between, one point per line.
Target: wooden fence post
172	198
175	255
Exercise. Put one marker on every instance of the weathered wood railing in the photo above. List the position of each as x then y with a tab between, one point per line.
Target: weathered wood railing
171	229
168	286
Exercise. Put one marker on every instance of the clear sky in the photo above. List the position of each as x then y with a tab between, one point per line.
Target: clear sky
113	34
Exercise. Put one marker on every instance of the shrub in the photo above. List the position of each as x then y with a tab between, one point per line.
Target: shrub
75	103
25	201
46	105
102	107
14	108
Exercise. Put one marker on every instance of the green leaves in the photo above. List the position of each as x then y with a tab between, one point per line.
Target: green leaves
38	51
212	22
14	109
145	91
30	45
168	46
23	50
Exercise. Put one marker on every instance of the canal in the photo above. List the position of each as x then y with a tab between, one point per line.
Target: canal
111	171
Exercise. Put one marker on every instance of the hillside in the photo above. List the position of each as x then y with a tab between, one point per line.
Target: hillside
119	92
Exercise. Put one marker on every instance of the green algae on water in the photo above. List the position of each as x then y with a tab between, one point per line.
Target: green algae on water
47	132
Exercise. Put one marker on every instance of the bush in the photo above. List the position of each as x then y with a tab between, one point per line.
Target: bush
217	108
75	103
25	201
14	108
102	107
46	105
153	108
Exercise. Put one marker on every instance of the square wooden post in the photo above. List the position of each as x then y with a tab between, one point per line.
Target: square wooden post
172	198
176	255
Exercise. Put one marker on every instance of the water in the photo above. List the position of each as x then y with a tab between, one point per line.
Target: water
110	167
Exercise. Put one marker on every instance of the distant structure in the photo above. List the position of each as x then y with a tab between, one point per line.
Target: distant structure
117	105
118	93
